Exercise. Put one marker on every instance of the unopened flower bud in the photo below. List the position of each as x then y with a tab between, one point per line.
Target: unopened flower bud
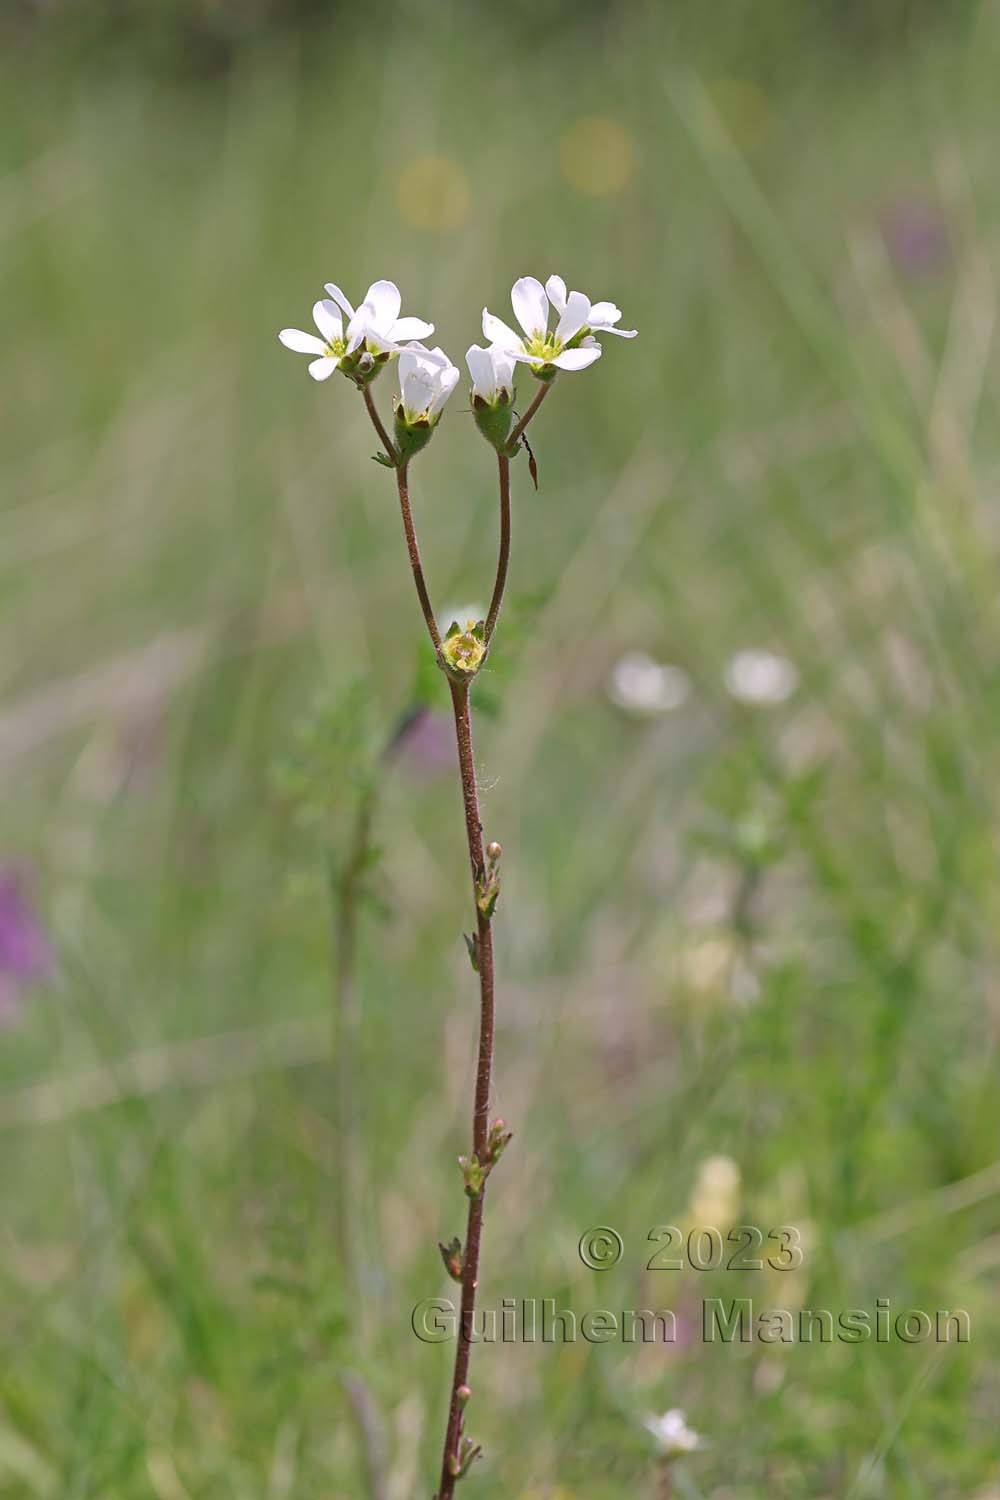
451	1254
460	1464
497	1141
494	851
473	1175
464	1395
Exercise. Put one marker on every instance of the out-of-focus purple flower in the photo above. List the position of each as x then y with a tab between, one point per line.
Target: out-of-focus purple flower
916	236
424	743
26	953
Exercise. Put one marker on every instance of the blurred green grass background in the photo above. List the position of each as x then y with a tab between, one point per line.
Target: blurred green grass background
766	932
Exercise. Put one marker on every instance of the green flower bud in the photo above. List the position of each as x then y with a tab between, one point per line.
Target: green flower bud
411	435
362	367
473	1175
494	418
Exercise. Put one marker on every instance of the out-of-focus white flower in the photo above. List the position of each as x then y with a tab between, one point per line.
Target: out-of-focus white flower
672	1433
571	345
376	324
641	685
427	378
492	372
761	677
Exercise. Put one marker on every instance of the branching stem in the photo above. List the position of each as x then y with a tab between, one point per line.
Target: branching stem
379	425
543	391
402	484
503	559
460	699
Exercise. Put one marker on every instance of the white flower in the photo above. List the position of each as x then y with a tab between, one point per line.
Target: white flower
571	344
761	677
377	320
492	372
330	349
641	685
427	378
672	1433
376	324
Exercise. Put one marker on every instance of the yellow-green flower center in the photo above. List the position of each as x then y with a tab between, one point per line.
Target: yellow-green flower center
464	652
335	349
543	346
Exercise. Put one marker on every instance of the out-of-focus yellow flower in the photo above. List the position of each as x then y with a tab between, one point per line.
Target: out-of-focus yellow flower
433	193
716	1196
708	963
744	109
597	155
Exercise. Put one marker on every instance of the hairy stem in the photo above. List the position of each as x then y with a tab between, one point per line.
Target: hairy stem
379	425
484	1076
503	560
402	484
543	391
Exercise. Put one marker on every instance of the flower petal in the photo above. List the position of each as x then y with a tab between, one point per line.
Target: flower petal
578	359
409	328
503	365
446	383
340	299
328	320
384	300
530	304
322	369
603	314
603	317
417	392
498	333
555	289
521	356
480	365
358	327
302	343
576	315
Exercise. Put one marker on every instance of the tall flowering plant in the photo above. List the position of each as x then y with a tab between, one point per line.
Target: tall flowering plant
559	332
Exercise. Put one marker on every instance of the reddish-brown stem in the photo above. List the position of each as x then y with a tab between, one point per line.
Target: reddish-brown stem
484	1076
543	391
484	932
379	425
503	559
402	484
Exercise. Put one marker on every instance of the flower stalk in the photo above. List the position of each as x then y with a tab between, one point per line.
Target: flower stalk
373	336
